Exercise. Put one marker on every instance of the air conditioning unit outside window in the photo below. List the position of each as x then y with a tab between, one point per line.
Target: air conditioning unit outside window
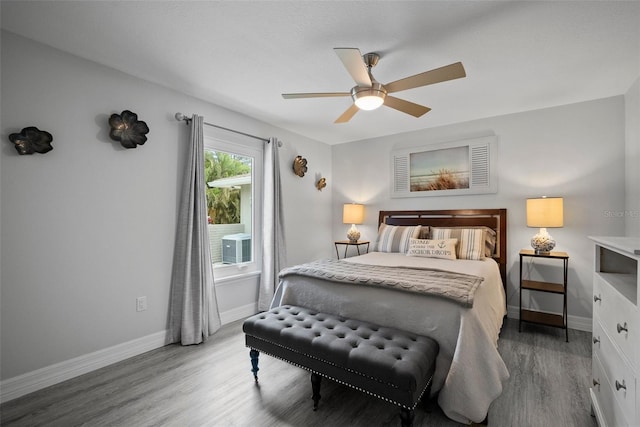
236	248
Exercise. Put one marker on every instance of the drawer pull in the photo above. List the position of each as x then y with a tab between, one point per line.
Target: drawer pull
622	328
621	386
597	298
595	383
596	340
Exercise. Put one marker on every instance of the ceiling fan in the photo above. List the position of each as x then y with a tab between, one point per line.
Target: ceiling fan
369	94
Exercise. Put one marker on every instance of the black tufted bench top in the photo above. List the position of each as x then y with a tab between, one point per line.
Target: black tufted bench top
389	363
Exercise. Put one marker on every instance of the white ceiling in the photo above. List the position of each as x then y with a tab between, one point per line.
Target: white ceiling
518	55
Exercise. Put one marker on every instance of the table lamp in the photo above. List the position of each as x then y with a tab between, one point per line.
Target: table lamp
544	212
353	213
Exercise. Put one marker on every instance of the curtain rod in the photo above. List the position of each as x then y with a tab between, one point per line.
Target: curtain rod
180	117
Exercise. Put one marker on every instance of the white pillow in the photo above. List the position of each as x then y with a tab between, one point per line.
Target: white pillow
441	248
395	238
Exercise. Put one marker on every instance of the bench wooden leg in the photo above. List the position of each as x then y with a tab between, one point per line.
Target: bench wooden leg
315	387
254	354
427	402
406	417
484	422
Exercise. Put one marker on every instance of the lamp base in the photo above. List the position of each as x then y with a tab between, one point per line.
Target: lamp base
539	252
353	234
543	243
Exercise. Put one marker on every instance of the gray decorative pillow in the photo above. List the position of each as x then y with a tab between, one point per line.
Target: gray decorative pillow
489	237
395	238
470	241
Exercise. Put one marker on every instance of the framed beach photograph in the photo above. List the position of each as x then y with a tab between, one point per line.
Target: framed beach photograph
453	168
438	170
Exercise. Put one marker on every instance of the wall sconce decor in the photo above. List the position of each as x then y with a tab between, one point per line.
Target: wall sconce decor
127	129
32	140
299	166
544	212
322	182
353	213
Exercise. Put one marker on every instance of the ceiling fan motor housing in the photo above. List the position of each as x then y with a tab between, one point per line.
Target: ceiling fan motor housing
370	59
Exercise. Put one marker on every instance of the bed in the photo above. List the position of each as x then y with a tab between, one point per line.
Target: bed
469	370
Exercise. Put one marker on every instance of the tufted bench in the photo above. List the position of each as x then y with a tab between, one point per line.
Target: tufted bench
394	365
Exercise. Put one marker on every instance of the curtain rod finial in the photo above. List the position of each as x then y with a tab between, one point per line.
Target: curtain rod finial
179	117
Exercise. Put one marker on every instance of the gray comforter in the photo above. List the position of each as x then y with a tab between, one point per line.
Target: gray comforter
457	287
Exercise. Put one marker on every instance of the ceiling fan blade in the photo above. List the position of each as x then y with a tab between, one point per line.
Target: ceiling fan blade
352	60
314	95
416	110
442	74
346	116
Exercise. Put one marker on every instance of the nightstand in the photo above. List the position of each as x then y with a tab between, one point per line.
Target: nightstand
348	243
547	319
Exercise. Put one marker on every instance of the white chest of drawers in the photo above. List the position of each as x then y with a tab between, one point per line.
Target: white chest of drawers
615	393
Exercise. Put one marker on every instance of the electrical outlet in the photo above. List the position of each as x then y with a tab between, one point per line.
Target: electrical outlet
141	303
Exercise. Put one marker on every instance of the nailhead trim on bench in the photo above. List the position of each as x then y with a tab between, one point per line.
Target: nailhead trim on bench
321	360
351	385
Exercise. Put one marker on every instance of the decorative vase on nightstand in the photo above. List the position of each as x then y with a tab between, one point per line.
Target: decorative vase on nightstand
353	234
542	242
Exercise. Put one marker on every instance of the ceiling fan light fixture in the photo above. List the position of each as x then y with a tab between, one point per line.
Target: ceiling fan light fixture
369	102
368	98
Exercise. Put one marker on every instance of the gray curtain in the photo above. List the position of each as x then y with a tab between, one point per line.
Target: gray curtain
193	308
273	250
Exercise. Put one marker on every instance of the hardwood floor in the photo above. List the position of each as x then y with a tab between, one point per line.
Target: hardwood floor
211	385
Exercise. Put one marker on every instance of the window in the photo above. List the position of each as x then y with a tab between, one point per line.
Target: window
233	175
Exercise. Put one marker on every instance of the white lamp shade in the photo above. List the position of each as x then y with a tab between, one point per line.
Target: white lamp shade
545	212
353	213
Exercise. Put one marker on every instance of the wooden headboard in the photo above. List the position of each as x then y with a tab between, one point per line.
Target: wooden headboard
492	218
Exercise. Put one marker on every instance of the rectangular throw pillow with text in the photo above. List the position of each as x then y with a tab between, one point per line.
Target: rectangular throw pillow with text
441	248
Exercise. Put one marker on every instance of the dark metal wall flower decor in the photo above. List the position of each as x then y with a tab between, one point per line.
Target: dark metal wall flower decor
127	129
32	140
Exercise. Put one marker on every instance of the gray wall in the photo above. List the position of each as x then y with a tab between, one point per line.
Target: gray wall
632	158
575	151
89	226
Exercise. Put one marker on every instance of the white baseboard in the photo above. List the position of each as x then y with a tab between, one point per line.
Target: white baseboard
596	410
573	322
580	323
238	313
15	387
